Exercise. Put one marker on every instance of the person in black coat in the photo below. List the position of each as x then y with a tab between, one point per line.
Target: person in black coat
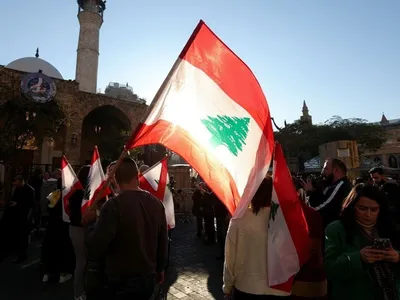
197	209
328	201
21	207
57	255
208	205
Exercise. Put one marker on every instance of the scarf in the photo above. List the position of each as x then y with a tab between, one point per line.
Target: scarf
382	272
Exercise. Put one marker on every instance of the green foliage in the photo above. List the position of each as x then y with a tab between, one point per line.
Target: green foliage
136	154
111	143
303	140
369	136
24	123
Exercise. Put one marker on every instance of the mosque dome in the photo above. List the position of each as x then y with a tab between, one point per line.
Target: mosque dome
33	65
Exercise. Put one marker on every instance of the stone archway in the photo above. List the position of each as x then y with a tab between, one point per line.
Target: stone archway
107	127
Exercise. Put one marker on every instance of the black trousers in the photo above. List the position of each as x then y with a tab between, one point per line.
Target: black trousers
209	228
199	224
239	295
22	240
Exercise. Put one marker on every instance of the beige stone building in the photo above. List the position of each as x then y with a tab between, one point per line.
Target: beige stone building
388	156
77	97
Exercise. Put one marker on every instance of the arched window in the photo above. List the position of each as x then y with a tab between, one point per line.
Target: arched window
393	162
377	161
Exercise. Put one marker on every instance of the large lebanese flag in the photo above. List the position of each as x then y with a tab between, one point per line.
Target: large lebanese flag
212	112
96	181
289	244
70	184
156	181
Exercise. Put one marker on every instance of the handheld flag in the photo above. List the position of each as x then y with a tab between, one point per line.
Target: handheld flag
96	181
70	184
289	244
156	181
212	112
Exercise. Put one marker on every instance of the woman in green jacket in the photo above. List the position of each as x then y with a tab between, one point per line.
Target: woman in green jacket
360	261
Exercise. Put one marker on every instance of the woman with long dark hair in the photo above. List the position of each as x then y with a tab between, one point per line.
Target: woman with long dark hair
245	269
360	257
77	234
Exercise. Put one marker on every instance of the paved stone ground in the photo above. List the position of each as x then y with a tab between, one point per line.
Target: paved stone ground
194	273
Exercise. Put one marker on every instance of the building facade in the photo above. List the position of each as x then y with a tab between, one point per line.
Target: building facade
389	154
77	98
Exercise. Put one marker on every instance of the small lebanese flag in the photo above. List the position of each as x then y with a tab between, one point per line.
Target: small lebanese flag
289	244
156	181
212	112
70	184
96	181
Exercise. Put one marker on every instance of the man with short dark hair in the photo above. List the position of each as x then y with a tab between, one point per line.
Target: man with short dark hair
378	176
329	200
391	190
131	234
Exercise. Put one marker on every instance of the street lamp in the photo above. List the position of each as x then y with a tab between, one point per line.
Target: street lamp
97	129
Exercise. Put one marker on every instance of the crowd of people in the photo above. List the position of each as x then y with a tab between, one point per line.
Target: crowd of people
118	248
355	240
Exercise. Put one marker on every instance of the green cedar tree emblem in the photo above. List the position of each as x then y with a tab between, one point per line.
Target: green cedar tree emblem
274	211
168	185
228	131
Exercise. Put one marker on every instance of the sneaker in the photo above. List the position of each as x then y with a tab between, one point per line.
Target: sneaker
65	278
45	278
81	297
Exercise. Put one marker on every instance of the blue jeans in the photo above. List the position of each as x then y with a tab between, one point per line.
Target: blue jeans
127	288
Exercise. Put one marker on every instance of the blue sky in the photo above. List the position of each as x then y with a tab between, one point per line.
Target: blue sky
341	56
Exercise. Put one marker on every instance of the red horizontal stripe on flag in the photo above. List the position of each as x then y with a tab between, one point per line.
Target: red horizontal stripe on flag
180	141
208	53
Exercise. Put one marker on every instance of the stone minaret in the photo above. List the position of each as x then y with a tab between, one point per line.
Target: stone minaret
90	15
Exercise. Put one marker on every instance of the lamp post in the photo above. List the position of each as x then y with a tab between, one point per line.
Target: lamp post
74	140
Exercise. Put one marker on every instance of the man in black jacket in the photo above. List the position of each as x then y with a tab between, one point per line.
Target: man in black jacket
329	200
131	234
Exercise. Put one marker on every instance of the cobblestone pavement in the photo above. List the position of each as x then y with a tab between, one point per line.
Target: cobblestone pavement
194	273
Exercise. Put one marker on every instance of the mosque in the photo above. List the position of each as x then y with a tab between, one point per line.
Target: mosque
78	98
118	104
